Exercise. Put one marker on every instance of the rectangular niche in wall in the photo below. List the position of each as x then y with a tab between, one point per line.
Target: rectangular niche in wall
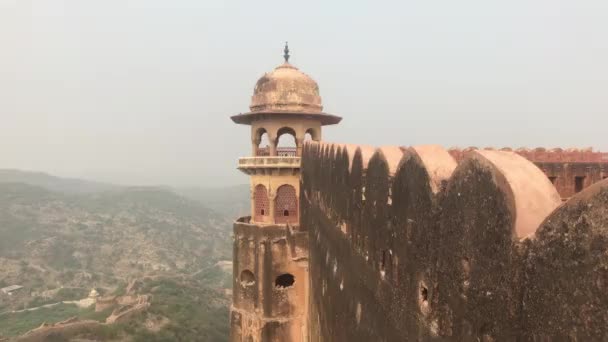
579	182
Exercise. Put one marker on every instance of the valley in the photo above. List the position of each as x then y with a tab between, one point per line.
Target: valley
59	241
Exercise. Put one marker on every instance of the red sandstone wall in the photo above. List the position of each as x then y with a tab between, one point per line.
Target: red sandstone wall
563	167
418	247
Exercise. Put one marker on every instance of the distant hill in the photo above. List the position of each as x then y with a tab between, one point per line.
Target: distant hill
52	183
231	201
58	233
123	233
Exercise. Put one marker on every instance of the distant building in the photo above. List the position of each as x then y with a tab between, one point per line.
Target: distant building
10	289
93	294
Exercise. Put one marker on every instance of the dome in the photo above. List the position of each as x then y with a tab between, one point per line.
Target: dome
286	92
286	89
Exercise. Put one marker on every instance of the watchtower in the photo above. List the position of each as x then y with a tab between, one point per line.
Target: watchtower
270	253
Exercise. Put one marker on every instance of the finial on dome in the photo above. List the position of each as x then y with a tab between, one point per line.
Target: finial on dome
286	53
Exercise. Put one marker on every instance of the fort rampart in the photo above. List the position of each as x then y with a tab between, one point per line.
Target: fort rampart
422	243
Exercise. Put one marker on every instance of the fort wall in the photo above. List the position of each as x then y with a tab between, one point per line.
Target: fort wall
422	243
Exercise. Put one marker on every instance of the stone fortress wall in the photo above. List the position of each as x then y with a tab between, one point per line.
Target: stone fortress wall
422	243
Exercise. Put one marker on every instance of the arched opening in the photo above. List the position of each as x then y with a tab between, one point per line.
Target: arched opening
261	203
284	280
423	298
286	142
263	147
312	134
247	278
286	205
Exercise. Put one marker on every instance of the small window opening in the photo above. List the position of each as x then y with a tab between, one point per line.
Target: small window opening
579	183
552	179
247	278
262	212
284	280
285	212
423	299
424	294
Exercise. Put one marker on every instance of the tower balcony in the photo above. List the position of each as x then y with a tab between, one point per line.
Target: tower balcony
250	165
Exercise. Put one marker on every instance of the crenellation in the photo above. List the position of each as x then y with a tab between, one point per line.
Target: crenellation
452	244
566	271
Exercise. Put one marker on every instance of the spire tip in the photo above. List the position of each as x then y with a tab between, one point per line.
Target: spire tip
286	53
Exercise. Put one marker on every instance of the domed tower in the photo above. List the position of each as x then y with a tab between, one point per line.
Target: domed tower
270	289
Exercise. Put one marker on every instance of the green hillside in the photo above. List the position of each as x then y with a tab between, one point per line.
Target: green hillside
52	241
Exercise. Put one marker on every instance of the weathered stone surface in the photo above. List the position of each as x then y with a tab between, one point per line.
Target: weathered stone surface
566	279
493	200
417	195
263	307
432	250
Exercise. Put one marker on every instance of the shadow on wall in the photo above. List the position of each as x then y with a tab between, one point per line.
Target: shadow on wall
407	244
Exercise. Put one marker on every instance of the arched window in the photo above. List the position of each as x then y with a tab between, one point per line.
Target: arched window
286	142
260	201
286	205
263	143
312	134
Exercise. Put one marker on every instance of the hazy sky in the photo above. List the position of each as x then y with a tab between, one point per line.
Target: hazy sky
140	92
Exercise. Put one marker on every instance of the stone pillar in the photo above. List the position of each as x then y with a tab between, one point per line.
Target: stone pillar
252	201
272	145
272	195
299	146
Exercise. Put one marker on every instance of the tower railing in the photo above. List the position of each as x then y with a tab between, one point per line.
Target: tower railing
263	152
286	152
281	152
